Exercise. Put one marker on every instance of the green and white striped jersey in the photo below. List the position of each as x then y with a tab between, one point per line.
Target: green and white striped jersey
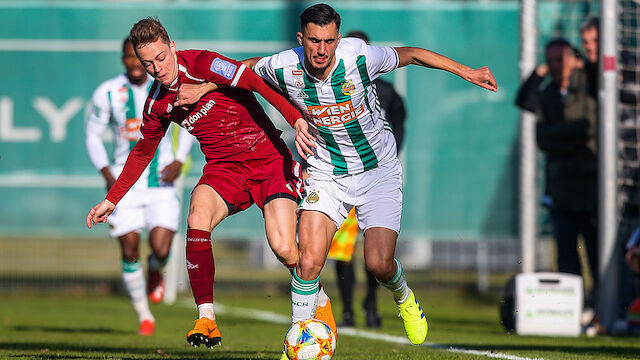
118	104
353	135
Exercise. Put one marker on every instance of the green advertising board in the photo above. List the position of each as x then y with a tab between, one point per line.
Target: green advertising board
460	152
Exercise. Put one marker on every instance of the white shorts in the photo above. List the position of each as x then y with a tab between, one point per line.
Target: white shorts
145	209
376	195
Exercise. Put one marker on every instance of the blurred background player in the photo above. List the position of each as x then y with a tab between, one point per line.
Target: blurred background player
152	204
344	241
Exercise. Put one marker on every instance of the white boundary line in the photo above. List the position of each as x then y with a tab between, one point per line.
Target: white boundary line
271	317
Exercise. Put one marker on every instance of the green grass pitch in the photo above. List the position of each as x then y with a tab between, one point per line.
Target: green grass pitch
93	326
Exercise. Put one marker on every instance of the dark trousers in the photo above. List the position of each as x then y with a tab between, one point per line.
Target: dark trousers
567	225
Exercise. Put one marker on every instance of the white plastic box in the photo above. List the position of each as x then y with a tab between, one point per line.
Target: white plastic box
548	304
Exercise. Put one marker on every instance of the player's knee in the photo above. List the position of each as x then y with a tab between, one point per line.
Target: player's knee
130	255
196	220
286	253
379	266
309	267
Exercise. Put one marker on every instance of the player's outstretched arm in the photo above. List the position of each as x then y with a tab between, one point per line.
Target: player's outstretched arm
482	77
99	213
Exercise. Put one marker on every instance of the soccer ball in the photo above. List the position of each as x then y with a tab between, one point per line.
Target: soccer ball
309	340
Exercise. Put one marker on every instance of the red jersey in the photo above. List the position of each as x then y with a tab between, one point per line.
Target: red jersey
229	123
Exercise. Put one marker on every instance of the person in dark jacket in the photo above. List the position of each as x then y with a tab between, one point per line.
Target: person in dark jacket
343	243
566	134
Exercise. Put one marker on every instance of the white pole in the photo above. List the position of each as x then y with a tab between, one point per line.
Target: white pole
527	171
607	101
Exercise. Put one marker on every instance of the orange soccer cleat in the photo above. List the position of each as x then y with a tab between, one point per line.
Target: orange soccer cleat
204	333
325	314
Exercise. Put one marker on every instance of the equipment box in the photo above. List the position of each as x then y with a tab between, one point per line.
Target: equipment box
548	304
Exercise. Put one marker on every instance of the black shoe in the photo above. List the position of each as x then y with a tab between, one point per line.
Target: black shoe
347	320
373	319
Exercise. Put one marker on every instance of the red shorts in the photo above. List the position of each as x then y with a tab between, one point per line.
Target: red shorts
241	184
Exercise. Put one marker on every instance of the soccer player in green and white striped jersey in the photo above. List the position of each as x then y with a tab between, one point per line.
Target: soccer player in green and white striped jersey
350	150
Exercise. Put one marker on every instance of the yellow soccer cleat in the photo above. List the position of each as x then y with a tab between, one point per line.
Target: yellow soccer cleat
204	333
325	314
284	356
415	323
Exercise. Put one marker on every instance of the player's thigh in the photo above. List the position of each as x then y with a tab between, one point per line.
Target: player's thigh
280	221
162	209
207	208
381	204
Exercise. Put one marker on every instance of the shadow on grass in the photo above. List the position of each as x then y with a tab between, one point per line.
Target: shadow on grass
58	351
70	330
581	349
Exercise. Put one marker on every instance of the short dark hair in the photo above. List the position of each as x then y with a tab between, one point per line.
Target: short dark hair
359	34
590	22
126	41
319	14
146	31
558	42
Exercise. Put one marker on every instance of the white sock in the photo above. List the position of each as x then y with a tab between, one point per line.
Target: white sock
398	284
133	278
304	298
206	310
322	296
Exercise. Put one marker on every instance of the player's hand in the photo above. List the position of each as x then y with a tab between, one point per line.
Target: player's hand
171	172
304	140
542	70
190	93
483	78
99	213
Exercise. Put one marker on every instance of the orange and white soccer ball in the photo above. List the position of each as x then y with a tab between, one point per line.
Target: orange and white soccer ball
309	340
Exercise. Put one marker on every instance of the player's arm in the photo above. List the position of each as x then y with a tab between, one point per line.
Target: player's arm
190	93
422	57
140	156
96	125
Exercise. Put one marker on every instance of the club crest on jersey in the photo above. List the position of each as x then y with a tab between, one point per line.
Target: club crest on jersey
298	78
223	68
124	94
313	197
347	87
169	108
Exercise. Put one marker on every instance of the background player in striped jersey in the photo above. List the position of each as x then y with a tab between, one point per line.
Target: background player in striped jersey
152	204
247	161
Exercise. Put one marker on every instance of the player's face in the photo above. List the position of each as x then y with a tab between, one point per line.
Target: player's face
160	61
320	43
590	44
133	67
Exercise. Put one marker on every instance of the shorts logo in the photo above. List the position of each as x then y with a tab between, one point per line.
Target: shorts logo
298	78
223	68
347	87
313	197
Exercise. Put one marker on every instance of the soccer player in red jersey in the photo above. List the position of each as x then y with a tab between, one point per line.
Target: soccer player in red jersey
247	161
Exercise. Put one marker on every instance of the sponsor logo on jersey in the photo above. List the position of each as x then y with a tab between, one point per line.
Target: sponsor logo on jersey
223	68
347	87
298	78
332	115
313	197
197	115
131	130
302	95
